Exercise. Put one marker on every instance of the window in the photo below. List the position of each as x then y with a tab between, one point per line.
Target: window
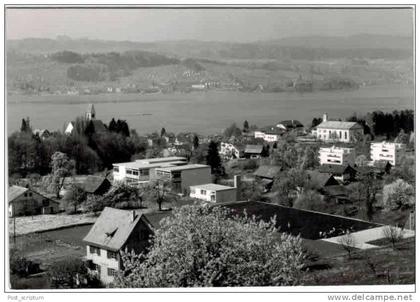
144	172
340	134
111	255
135	173
45	203
30	194
112	272
117	169
129	172
203	192
213	197
94	250
345	135
25	194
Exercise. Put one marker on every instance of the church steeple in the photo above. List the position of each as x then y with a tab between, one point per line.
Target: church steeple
90	113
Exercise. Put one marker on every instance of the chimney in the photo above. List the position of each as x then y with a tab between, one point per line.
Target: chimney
237	185
325	117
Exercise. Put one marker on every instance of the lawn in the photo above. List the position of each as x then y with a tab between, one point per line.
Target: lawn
383	265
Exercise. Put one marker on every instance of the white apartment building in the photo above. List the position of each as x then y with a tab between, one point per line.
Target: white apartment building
143	170
213	193
337	156
338	131
387	151
185	176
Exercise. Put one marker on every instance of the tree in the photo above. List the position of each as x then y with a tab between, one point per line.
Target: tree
73	198
205	246
316	121
196	142
361	160
309	200
309	159
393	234
246	126
62	167
71	273
347	243
112	125
398	195
162	132
25	126
158	191
232	130
213	158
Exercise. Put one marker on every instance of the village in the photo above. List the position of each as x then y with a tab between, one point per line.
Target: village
336	184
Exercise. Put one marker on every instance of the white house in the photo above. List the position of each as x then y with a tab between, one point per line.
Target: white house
337	156
113	232
213	192
338	131
387	151
269	134
143	170
185	176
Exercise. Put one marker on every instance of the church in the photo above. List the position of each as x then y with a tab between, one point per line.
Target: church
90	117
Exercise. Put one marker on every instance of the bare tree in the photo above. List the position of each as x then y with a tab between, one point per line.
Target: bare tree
347	243
393	234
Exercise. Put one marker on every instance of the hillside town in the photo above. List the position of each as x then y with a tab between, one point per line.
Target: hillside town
96	194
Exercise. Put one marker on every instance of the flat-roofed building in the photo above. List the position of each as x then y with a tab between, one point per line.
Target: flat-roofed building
387	151
337	156
185	176
143	170
213	192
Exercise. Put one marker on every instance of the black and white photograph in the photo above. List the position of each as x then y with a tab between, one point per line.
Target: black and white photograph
210	148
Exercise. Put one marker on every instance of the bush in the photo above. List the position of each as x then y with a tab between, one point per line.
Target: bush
20	266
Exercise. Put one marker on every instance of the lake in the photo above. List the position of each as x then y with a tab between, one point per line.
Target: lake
205	112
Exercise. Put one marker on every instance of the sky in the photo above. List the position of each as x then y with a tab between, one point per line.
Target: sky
235	25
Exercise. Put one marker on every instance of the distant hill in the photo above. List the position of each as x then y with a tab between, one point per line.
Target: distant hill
308	47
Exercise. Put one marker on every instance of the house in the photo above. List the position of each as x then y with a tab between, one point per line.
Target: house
115	231
213	192
96	185
266	174
337	156
69	127
229	151
269	134
343	173
253	151
143	170
25	201
185	176
337	131
376	169
42	133
321	180
387	151
291	125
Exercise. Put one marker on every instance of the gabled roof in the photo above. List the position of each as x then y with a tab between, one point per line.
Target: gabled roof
253	149
339	125
15	191
336	169
291	124
267	171
321	179
155	218
93	183
112	229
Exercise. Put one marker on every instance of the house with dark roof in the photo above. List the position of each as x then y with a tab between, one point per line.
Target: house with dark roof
24	202
269	133
115	231
266	174
96	185
253	151
291	125
343	173
321	180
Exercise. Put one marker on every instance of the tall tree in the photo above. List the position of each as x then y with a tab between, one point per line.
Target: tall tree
202	246
62	167
246	126
23	126
196	142
162	132
213	158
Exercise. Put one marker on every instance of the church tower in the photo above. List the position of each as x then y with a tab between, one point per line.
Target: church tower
90	113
